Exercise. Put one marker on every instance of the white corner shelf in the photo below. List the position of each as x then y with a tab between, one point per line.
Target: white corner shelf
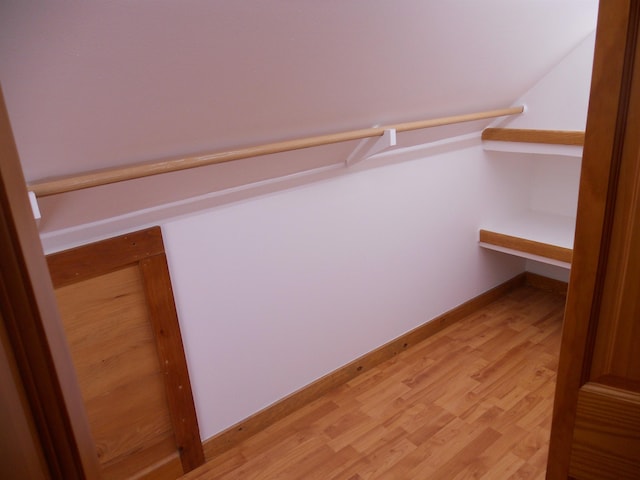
533	235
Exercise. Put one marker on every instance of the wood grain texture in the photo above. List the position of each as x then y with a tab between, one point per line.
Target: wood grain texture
618	335
261	420
552	137
113	348
21	455
34	331
168	468
105	177
616	39
168	340
471	401
525	245
102	257
158	464
607	434
116	301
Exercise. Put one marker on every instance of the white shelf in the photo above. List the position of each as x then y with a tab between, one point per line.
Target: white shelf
541	142
534	148
537	236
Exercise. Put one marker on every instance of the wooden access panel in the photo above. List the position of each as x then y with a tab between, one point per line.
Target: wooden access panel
116	302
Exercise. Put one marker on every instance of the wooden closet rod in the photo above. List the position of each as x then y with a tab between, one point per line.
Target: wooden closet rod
104	177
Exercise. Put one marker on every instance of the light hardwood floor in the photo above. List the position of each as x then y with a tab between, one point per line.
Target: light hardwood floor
473	401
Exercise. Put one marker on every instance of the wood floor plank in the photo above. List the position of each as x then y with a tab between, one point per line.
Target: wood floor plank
439	419
469	461
381	456
472	401
505	467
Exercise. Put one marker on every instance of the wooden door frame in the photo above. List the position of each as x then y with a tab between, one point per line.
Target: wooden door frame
34	333
616	39
36	339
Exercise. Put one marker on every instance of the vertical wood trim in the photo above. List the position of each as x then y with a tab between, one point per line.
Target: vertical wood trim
34	329
614	352
166	329
616	160
20	452
608	104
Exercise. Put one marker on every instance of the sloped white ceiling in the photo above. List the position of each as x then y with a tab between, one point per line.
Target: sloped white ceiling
91	85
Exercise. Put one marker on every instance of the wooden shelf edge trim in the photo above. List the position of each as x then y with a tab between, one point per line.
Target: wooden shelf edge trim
551	137
235	434
533	247
105	177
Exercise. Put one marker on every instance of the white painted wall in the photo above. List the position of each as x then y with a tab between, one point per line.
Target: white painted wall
276	287
84	216
100	84
559	101
276	291
281	289
97	84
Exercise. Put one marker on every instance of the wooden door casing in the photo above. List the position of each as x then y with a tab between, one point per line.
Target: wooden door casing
596	420
35	340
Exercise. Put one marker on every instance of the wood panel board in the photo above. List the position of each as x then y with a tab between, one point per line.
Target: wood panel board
124	338
114	353
606	438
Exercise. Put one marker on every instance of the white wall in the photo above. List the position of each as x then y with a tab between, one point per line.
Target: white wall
90	85
280	286
84	216
275	291
559	101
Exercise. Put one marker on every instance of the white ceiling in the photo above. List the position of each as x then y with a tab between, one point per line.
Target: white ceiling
106	83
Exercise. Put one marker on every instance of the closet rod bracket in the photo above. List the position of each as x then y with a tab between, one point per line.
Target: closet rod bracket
35	208
371	146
